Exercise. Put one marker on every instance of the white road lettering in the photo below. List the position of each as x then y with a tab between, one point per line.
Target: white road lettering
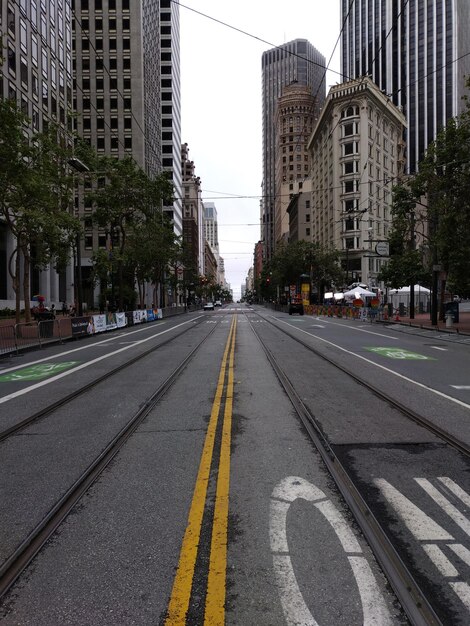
295	610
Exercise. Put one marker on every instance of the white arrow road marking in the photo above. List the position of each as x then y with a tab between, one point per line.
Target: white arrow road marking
464	387
451	510
463	591
295	610
425	529
461	551
420	524
440	560
455	489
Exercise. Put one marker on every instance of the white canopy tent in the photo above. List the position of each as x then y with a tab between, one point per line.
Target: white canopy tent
358	293
402	296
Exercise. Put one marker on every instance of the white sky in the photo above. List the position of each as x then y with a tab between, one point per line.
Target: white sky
221	103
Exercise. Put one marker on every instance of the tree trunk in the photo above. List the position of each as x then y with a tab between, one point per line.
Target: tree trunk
16	286
26	283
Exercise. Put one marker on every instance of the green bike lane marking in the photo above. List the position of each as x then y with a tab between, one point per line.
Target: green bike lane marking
37	372
400	353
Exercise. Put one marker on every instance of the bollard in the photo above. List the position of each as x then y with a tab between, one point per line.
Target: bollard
449	320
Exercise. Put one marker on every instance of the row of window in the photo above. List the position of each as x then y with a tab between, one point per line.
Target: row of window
111	44
111	64
97	5
84	24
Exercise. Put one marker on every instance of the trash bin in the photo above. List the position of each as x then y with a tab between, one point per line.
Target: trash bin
46	324
453	309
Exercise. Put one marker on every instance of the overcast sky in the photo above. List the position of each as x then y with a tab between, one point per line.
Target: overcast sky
221	102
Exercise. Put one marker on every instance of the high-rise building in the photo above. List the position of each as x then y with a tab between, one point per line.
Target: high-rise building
170	101
36	73
417	52
296	61
128	94
295	117
357	152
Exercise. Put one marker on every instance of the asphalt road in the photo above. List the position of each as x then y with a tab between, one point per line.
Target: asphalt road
294	554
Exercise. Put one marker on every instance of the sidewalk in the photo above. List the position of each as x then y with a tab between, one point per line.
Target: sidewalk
423	320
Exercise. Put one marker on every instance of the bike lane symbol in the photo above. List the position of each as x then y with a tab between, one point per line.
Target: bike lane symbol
295	610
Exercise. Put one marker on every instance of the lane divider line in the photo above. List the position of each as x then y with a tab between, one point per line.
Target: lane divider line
216	584
181	592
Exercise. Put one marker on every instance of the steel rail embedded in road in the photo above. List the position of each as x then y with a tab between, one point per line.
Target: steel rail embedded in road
407	590
436	430
12	430
17	562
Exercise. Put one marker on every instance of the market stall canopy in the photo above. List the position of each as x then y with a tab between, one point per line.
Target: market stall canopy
358	293
408	289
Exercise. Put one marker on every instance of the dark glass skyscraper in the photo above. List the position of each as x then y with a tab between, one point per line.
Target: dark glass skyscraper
296	61
417	52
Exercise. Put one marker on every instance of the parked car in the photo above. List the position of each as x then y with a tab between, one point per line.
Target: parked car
209	306
217	303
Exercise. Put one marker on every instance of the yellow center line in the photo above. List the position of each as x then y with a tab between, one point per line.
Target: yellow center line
216	584
181	592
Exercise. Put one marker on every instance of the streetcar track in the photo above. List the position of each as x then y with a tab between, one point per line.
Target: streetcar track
25	552
36	417
413	600
436	430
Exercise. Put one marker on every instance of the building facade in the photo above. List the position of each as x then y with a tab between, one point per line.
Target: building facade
357	153
296	61
170	77
416	51
193	213
295	118
37	74
127	84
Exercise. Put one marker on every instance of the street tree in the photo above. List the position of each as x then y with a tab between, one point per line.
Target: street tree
35	200
293	260
121	205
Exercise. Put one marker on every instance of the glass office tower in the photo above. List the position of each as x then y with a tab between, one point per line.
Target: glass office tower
416	51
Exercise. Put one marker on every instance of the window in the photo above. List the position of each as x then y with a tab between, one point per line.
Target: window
114	123
88	242
24	72
307	232
12	60
100	143
114	143
348	130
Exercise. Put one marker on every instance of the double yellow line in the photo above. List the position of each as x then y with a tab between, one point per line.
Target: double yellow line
216	583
